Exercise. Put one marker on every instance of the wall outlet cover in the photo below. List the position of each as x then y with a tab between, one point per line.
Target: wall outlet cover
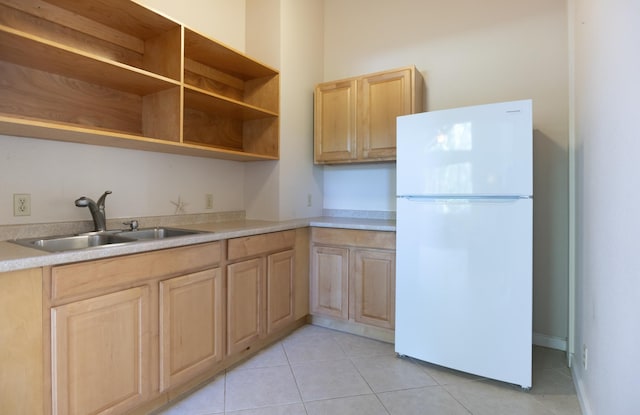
21	204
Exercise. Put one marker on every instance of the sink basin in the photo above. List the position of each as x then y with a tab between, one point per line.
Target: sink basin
71	243
97	239
157	233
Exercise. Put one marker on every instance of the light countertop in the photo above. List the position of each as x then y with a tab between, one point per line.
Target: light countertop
15	257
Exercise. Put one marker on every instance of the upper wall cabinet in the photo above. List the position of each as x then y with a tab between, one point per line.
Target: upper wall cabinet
114	73
355	118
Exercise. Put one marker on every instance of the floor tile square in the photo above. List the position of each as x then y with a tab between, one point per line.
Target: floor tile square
260	387
294	409
354	405
271	356
552	382
205	401
546	358
303	349
429	400
444	375
329	379
561	404
356	346
387	373
496	398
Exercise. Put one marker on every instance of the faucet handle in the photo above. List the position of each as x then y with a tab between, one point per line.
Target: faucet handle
100	201
133	224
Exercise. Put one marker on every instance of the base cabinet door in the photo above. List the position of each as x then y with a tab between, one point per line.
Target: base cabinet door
280	280
244	292
352	280
330	281
190	325
374	288
100	354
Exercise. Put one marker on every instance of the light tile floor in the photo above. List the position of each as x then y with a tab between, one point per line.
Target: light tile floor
317	371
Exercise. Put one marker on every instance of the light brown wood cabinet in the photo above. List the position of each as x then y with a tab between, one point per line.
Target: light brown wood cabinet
124	335
191	331
114	73
355	118
244	304
280	290
124	330
352	277
101	354
260	287
22	373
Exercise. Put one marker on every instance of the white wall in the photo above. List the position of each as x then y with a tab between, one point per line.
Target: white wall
223	20
470	52
607	86
360	187
143	183
302	43
281	190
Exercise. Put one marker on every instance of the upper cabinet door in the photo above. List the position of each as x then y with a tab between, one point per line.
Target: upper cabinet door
335	122
383	97
355	119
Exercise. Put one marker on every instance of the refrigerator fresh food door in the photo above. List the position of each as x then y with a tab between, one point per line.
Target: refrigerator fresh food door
479	150
464	285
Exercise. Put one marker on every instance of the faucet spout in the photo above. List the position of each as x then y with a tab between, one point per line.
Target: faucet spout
97	210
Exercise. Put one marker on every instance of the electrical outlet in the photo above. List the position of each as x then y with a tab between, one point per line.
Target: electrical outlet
585	356
309	200
22	204
208	203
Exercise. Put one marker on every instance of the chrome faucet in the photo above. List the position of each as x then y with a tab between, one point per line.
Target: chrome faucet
96	209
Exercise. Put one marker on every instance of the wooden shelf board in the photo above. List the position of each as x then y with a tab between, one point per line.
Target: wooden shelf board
123	15
76	134
207	102
216	55
25	50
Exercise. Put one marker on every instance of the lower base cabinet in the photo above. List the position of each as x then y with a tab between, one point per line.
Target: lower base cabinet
280	290
22	374
130	333
244	300
374	287
101	353
352	277
191	316
260	287
124	330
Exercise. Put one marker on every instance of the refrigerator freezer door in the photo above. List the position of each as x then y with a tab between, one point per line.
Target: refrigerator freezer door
464	285
479	150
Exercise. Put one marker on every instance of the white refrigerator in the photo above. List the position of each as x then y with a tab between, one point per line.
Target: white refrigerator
464	239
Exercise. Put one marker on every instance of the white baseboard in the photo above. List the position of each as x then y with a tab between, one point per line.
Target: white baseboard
551	342
580	392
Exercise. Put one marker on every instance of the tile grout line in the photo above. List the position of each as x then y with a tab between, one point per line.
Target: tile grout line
286	355
361	375
224	394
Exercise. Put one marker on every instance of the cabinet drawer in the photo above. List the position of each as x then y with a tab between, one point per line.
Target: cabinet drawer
86	277
353	237
260	244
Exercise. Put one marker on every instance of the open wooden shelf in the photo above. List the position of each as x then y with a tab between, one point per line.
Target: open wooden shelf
111	72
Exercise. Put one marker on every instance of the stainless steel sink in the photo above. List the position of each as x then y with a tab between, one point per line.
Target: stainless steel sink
157	233
75	242
101	239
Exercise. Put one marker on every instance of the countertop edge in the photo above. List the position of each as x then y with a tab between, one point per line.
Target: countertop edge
20	258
